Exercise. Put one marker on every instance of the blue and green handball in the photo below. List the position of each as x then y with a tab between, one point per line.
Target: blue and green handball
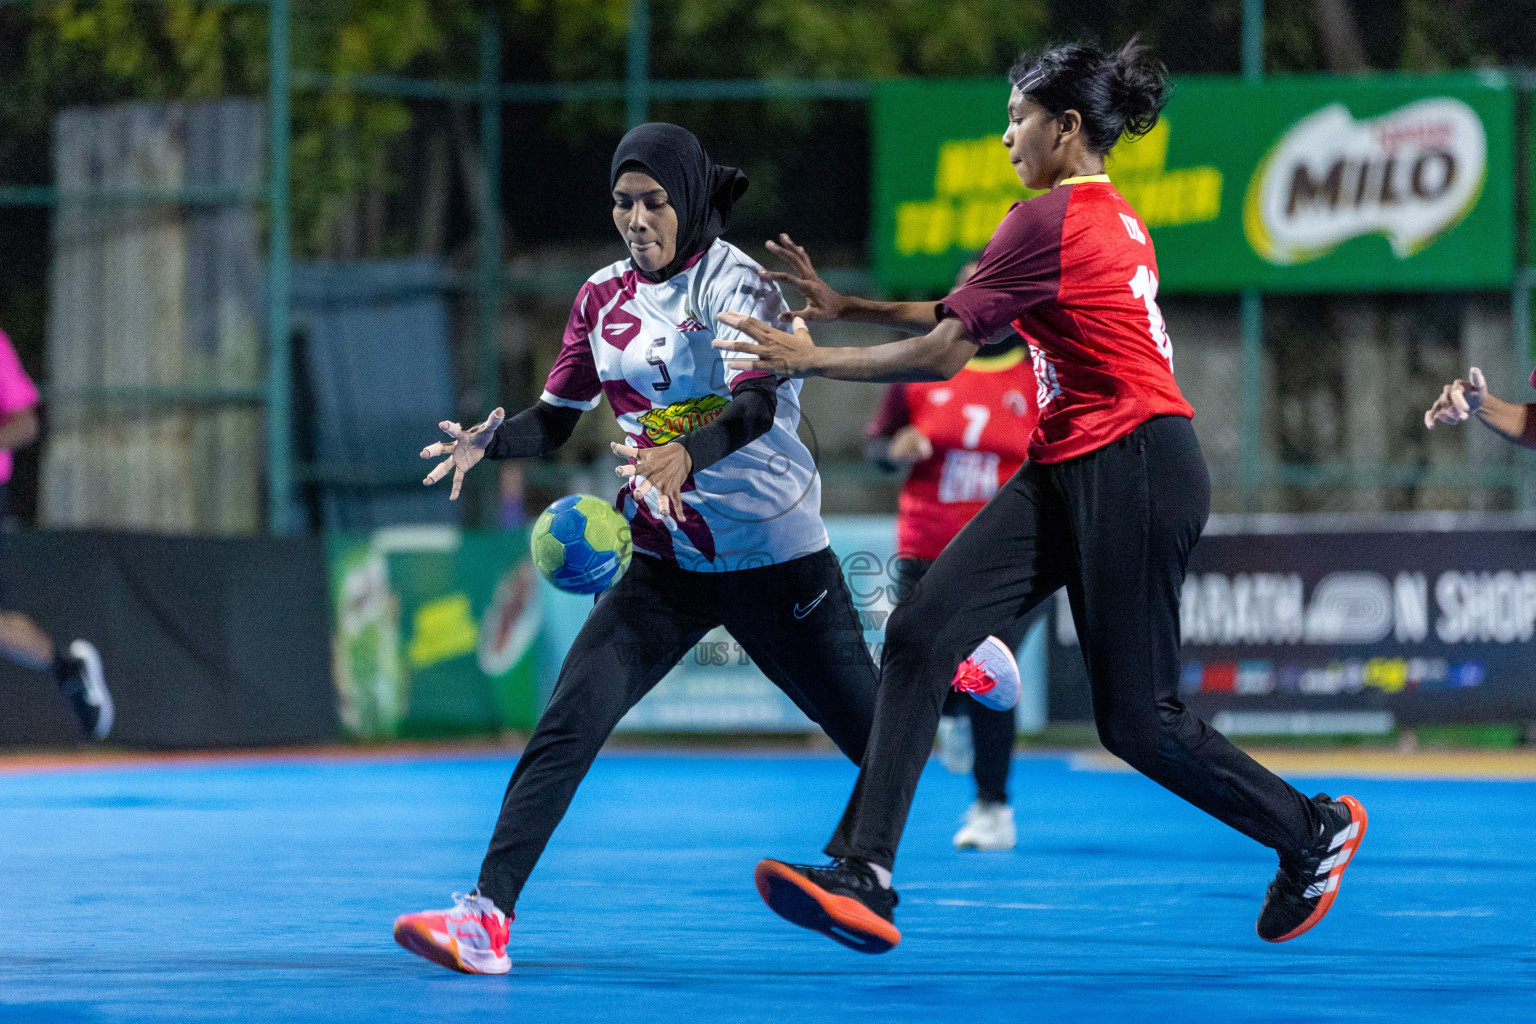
581	544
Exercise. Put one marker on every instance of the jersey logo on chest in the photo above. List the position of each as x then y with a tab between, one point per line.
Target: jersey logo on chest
620	327
668	424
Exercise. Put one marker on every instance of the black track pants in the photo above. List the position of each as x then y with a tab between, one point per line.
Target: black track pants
993	733
795	620
1115	527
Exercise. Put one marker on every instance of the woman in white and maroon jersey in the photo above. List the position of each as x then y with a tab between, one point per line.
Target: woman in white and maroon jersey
723	500
1112	500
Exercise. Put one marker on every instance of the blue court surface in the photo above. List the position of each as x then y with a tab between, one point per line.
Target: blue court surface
264	890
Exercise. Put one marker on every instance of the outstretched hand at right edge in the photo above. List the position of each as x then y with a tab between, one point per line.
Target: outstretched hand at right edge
1462	400
465	450
1459	400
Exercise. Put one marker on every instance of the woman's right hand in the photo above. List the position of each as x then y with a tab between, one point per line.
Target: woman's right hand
910	446
465	450
821	302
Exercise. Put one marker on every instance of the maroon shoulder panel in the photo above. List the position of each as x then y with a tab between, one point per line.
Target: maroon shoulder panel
1019	269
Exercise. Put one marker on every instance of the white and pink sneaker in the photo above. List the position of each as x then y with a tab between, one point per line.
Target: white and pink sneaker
990	675
470	937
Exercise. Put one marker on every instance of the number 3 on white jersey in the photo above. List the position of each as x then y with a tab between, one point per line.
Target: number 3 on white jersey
1144	287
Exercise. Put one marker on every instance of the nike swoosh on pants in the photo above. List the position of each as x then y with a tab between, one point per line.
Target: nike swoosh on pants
801	613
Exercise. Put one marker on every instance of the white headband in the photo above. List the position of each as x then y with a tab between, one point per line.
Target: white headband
1030	80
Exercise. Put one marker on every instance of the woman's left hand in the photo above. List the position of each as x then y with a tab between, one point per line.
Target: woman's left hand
664	469
785	355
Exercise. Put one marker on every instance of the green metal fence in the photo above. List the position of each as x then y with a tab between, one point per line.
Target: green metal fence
637	90
490	94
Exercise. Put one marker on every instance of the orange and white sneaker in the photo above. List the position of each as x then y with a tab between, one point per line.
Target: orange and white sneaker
1307	884
991	675
471	936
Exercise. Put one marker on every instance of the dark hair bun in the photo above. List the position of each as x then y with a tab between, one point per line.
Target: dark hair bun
1115	94
1138	87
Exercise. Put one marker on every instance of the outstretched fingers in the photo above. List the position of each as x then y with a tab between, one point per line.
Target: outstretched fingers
1459	398
792	253
755	329
492	422
781	277
439	471
1450	407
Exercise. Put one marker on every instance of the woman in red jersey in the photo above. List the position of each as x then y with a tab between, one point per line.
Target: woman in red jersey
1112	500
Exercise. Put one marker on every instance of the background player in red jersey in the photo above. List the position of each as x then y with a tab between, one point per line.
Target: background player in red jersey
1110	504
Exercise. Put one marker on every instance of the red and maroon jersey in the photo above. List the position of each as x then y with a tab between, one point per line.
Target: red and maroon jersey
1074	273
979	422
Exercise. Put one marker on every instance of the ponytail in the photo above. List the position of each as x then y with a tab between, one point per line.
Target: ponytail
1115	94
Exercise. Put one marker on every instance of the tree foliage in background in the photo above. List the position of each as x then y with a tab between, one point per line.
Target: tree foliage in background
119	50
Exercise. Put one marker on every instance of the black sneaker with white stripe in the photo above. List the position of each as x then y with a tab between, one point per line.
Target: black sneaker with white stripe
1306	884
84	685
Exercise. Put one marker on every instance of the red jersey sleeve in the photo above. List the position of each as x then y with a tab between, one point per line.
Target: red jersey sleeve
573	380
892	415
1020	268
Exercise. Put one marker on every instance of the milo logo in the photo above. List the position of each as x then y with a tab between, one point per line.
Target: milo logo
679	418
1410	174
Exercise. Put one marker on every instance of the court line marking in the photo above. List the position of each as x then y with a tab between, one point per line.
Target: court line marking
1462	765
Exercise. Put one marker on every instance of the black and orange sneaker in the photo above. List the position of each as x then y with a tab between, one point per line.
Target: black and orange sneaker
842	900
1306	885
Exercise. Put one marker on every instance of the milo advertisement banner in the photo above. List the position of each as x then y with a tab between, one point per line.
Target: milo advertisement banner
1353	632
436	631
1299	184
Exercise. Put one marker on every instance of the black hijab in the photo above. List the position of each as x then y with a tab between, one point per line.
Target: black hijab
700	190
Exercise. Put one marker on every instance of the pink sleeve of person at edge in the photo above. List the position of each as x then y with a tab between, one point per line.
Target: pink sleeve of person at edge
17	392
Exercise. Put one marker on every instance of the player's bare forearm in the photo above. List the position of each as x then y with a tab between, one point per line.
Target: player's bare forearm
937	355
18	429
1510	420
912	317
